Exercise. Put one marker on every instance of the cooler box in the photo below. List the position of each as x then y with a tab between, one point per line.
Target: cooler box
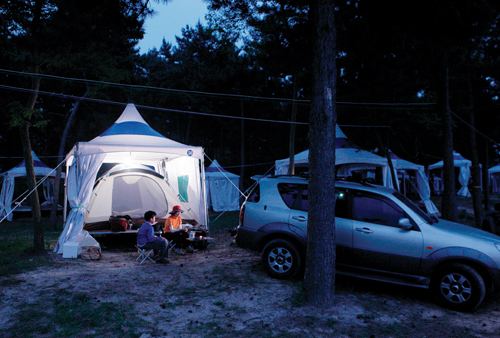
70	250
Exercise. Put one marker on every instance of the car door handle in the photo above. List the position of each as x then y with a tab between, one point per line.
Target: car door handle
299	218
365	230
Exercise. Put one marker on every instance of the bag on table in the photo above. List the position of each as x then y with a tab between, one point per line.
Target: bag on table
120	223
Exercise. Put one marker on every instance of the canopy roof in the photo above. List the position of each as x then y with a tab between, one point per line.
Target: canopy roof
40	169
494	170
346	152
216	171
458	161
132	139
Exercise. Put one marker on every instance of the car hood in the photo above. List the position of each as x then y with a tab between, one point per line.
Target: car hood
458	228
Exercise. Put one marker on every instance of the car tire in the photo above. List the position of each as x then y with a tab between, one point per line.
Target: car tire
281	259
458	287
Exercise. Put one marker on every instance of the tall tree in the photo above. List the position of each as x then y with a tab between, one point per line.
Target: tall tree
319	283
63	38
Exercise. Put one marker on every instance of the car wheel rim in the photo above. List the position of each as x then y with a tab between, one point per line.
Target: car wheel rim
456	288
280	260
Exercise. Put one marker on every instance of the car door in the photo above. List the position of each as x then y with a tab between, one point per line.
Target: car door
378	241
343	225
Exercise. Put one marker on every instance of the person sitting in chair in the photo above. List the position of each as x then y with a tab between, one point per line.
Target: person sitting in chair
175	229
147	240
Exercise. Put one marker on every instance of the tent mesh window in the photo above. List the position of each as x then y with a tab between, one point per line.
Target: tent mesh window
183	185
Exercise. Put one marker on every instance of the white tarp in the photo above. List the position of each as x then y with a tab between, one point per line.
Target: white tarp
464	173
130	140
7	193
222	188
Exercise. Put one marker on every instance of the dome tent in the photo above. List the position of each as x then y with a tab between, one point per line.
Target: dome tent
131	190
222	188
7	193
131	141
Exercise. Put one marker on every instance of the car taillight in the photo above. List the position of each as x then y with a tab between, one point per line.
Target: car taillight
242	214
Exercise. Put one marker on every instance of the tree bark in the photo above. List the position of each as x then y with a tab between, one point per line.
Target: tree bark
242	153
449	209
319	283
38	237
475	170
291	152
60	157
486	177
387	155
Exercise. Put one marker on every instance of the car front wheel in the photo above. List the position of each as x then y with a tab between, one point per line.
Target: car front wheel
281	259
458	287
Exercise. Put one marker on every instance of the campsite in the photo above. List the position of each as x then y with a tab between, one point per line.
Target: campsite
222	292
100	137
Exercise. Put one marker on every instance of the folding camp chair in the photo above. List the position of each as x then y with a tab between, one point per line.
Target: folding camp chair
144	254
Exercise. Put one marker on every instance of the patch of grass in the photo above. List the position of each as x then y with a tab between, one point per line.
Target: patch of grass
297	299
16	252
219	303
73	316
393	330
331	323
220	222
211	329
230	276
366	316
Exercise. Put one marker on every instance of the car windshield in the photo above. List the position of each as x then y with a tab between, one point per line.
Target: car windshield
425	216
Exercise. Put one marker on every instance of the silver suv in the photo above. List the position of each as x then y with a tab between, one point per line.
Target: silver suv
380	235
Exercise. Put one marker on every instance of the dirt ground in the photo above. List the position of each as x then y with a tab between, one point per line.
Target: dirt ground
220	292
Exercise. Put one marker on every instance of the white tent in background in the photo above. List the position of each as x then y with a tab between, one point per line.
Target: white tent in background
422	184
494	173
131	141
222	188
348	158
463	176
7	193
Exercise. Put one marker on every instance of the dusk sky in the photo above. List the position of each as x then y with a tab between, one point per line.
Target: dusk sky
169	21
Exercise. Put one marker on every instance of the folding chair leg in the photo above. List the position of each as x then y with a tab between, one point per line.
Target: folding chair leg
170	246
144	255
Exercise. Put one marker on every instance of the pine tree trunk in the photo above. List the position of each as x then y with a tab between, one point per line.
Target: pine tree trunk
475	170
38	238
62	145
291	146
242	153
486	178
449	209
319	283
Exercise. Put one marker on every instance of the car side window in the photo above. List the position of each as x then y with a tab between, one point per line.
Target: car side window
374	209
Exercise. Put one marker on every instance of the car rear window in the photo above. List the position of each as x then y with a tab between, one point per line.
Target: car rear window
289	193
254	195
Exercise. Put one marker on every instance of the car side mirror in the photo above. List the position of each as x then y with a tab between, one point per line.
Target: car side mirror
404	223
